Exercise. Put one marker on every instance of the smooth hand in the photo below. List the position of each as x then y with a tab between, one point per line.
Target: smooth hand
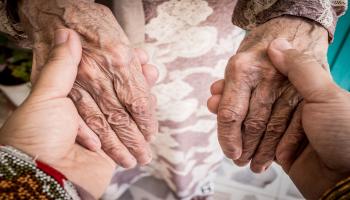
322	156
47	124
110	92
255	103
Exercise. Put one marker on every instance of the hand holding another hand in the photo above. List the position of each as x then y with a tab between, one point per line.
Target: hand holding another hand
325	116
47	125
255	104
110	92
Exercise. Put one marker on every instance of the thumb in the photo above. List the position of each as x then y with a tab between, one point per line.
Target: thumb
303	71
58	75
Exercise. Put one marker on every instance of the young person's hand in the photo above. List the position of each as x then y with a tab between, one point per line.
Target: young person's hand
320	158
110	93
47	124
255	103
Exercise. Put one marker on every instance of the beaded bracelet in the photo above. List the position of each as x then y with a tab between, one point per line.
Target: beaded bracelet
339	191
22	177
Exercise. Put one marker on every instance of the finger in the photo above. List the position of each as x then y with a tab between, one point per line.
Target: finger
303	71
94	118
288	148
58	75
213	103
134	93
233	107
258	115
101	90
141	55
87	138
282	112
217	87
151	74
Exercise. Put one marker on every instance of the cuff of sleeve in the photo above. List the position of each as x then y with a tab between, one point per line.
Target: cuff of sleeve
340	191
249	14
22	175
9	22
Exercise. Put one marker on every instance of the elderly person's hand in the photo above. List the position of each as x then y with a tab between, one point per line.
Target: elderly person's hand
255	103
110	91
323	159
47	124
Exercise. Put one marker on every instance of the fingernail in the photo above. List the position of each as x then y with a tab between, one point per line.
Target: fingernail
61	36
128	163
240	163
281	44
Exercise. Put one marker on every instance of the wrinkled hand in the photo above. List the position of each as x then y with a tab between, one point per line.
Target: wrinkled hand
111	94
255	103
325	116
46	125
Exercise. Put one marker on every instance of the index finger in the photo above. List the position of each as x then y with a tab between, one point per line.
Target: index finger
233	108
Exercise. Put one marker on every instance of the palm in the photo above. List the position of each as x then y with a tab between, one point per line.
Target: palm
51	126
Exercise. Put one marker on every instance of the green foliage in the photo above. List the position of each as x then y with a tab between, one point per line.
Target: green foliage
18	61
3	40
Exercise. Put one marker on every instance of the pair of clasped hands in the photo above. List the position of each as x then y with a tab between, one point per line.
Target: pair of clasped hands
48	125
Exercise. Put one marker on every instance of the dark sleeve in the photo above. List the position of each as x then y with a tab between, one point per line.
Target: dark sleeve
251	13
9	21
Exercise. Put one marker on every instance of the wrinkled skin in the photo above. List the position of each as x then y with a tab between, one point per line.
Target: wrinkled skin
322	156
110	92
46	125
255	103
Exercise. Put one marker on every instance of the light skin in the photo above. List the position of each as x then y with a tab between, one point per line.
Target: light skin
47	124
110	92
254	102
316	157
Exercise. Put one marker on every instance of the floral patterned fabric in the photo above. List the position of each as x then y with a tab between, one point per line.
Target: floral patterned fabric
190	41
249	14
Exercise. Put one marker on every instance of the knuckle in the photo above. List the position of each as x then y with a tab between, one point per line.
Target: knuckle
277	125
118	119
89	72
141	107
239	59
254	126
97	123
75	94
226	116
122	55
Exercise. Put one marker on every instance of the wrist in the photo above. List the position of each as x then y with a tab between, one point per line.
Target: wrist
18	169
42	17
82	166
305	35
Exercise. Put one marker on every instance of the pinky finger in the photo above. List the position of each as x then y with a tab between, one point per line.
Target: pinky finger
87	138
